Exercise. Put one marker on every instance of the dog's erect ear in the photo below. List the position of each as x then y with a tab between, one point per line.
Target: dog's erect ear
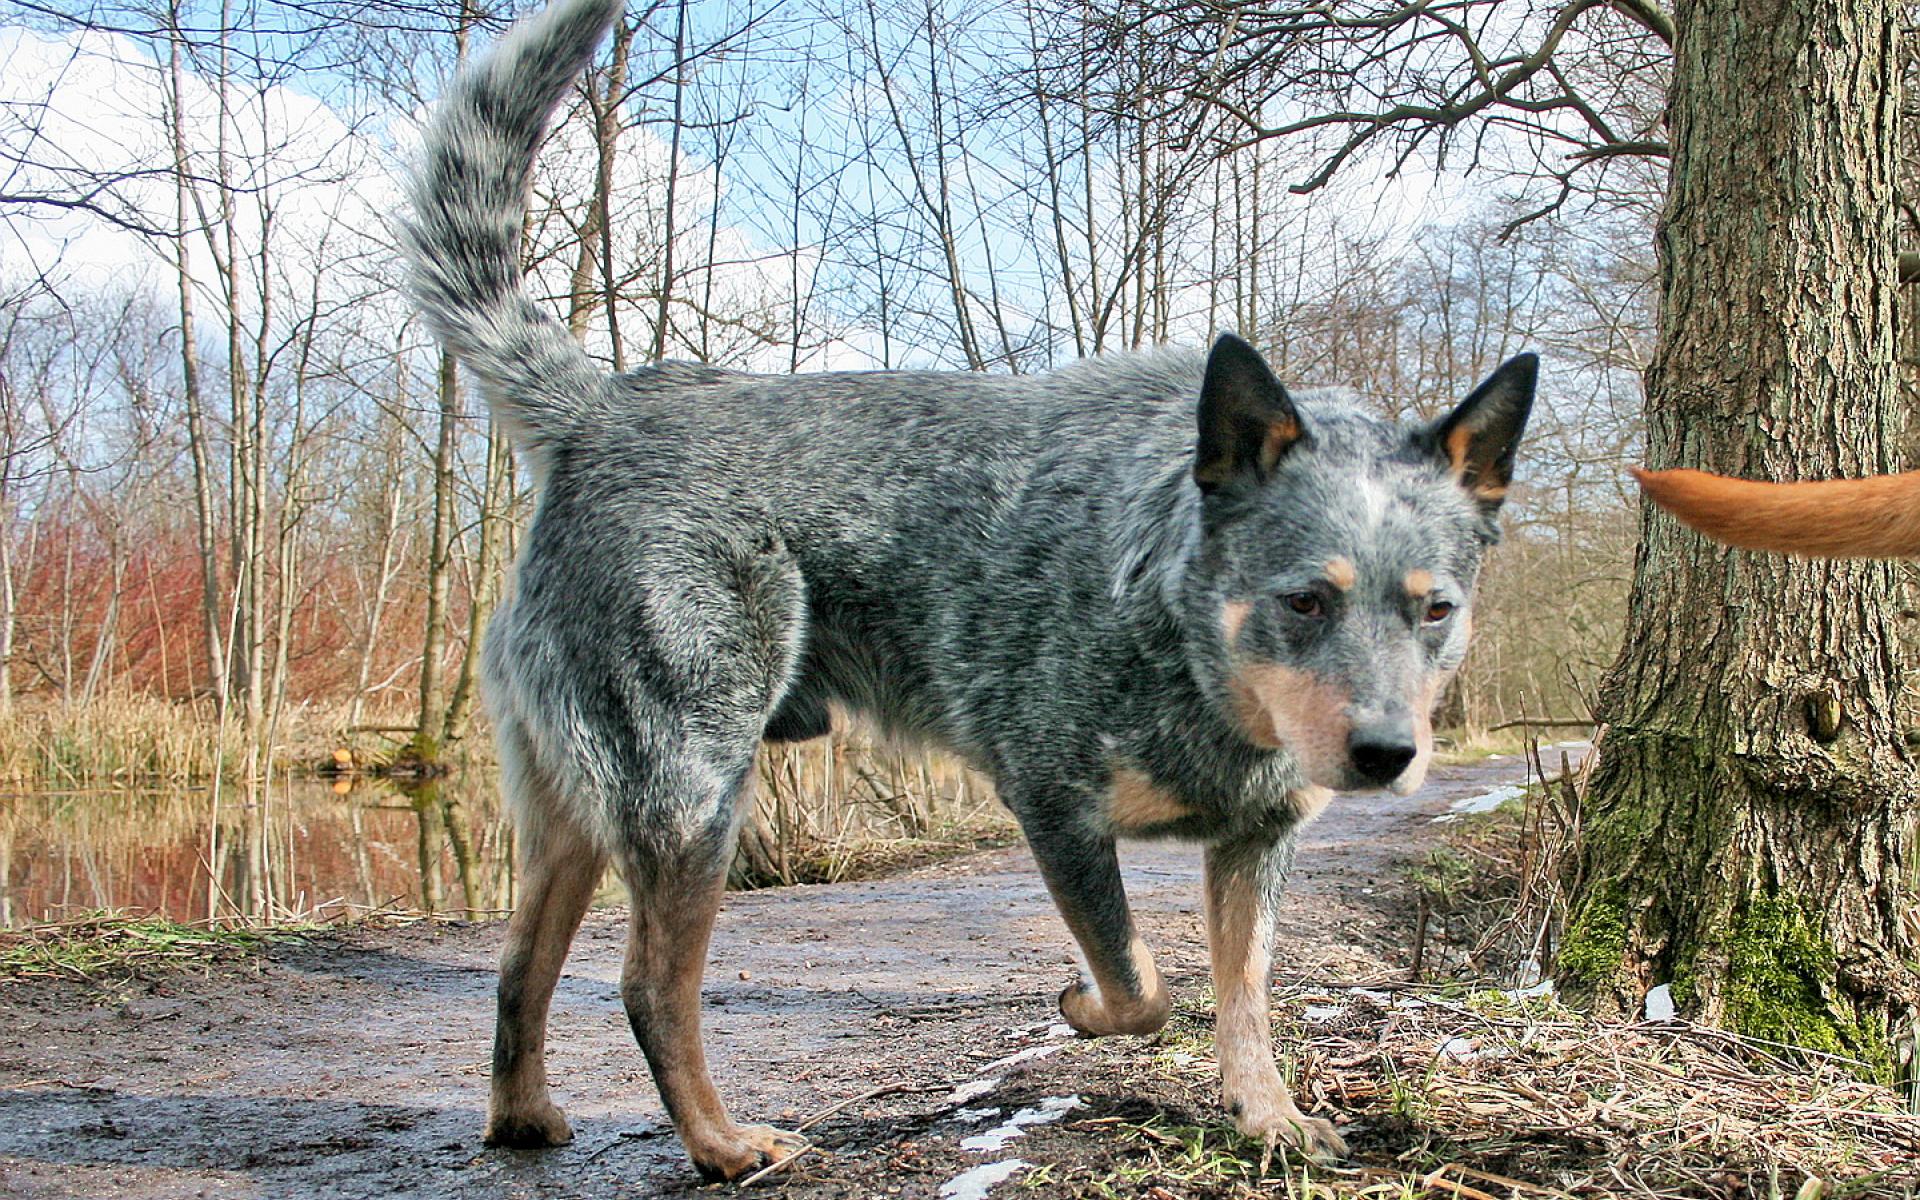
1247	421
1477	440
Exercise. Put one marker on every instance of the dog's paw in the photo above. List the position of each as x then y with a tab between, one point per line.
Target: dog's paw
1270	1117
535	1128
1090	1015
743	1150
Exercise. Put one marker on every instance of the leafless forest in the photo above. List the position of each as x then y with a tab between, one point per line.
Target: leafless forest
241	490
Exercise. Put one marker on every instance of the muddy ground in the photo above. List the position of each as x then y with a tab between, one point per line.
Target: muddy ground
356	1065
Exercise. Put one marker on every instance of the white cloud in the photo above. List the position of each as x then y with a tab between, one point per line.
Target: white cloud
93	103
97	103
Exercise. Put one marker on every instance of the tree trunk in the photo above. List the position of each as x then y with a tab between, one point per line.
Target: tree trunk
433	645
1747	822
1053	162
7	617
425	747
495	512
605	96
391	487
663	313
108	630
205	528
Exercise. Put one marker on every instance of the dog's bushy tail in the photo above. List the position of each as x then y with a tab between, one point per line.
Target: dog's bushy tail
1878	517
469	197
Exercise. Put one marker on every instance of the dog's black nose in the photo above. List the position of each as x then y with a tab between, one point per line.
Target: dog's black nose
1380	757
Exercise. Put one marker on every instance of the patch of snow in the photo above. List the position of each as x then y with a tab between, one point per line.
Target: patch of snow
1660	1003
973	1185
1046	1113
1320	1014
1459	1049
1387	1000
1027	1055
973	1089
1485	802
1027	1031
968	1116
1061	1030
1543	988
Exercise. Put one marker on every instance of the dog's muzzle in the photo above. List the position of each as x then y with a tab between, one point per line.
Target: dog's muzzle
1379	753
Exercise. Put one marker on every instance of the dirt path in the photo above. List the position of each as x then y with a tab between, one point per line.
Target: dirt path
357	1066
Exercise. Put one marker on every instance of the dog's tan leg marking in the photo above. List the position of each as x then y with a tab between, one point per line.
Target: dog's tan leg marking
1111	1005
1136	802
558	873
1125	993
667	936
1239	936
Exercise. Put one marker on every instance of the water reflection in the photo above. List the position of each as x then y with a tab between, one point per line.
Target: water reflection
296	849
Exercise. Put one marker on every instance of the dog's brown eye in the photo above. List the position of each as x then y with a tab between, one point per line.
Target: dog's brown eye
1305	603
1438	611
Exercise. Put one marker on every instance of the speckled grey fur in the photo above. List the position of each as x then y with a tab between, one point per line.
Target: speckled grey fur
1022	570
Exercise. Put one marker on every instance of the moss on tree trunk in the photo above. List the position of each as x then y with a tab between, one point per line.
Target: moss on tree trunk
1746	827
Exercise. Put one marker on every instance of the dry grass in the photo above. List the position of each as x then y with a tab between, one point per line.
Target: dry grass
135	739
852	806
1487	1087
1486	1096
1489	1094
1492	899
123	738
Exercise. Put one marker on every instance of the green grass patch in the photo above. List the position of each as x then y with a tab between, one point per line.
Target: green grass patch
104	948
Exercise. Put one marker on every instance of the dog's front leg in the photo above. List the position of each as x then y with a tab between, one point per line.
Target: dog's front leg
1124	992
1244	881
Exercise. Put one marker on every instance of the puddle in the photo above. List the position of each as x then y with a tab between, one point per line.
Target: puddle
298	848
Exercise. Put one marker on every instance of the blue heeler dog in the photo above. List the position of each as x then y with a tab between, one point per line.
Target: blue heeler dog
1148	595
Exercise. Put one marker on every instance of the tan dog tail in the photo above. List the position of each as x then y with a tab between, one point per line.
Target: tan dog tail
1843	518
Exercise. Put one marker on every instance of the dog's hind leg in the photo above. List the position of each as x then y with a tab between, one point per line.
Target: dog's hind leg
559	869
676	879
1244	880
708	665
1125	993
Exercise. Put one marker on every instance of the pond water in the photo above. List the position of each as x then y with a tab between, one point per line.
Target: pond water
300	848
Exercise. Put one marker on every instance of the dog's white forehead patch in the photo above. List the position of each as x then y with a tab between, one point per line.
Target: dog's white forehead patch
1374	500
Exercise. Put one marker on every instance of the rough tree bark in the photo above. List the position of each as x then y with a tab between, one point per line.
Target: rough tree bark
1747	824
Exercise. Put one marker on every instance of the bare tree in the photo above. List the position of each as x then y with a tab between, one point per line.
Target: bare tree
1749	822
1574	88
